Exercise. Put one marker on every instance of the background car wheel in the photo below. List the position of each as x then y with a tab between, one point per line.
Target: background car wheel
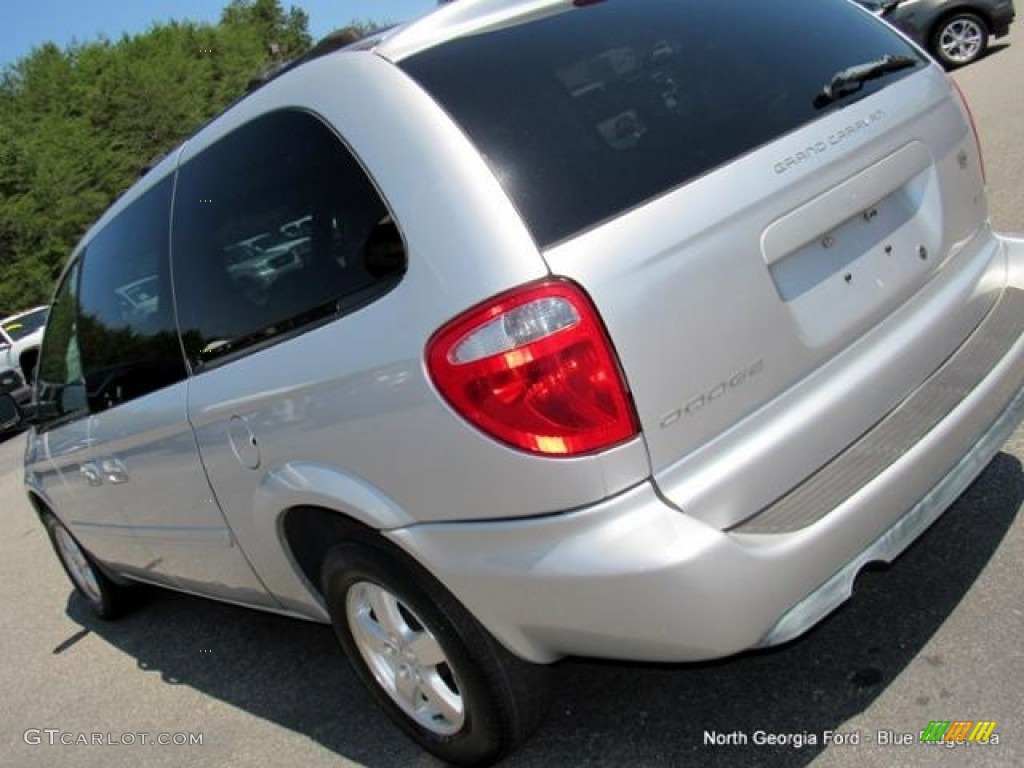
106	599
437	672
959	40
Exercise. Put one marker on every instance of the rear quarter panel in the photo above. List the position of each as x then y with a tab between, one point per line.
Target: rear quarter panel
344	415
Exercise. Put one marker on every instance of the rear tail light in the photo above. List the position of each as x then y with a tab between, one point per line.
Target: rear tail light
534	368
974	126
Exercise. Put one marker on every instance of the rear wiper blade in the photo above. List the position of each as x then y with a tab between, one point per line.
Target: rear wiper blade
852	79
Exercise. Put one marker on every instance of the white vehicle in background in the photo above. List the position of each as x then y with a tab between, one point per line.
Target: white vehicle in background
20	337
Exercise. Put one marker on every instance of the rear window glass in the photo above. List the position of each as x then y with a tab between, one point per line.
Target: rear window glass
584	112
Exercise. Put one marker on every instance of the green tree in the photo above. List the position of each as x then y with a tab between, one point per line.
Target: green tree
78	124
284	34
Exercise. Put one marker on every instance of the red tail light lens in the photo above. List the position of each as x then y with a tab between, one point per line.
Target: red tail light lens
534	368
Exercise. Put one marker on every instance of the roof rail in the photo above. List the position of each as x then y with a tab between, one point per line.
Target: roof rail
346	37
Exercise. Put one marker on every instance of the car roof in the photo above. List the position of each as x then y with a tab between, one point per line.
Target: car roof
439	25
436	26
457	19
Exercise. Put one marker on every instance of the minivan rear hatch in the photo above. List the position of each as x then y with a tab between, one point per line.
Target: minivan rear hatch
766	201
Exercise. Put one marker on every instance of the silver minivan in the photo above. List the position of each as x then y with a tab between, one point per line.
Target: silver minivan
613	328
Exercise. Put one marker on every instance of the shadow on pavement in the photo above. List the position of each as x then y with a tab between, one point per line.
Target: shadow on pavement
292	673
11	434
995	49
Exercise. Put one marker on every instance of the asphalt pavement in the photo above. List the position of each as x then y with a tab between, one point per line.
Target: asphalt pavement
936	636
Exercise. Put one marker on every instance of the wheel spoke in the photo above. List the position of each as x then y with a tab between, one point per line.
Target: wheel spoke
370	632
441	698
407	688
385	609
79	567
92	587
427	650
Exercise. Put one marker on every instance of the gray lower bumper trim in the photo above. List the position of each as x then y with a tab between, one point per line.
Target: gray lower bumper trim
886	547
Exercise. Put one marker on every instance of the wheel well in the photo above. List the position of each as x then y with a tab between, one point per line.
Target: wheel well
311	532
42	509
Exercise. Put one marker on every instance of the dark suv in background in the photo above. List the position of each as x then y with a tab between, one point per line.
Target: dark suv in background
956	32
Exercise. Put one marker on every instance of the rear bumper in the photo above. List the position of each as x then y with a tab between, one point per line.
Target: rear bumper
633	578
1002	17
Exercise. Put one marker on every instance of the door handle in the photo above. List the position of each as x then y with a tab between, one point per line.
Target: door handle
91	474
115	471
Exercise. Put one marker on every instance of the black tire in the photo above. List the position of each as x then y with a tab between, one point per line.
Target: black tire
105	598
959	40
503	698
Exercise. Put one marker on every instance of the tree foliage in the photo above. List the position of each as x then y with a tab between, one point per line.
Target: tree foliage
77	125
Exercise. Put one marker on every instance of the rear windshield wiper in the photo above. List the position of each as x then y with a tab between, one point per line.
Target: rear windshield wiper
852	79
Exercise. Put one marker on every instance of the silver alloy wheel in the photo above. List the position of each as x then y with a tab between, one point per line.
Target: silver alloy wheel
78	565
961	40
405	658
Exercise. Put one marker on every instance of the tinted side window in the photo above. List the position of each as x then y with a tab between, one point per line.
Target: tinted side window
60	385
126	333
585	112
276	228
